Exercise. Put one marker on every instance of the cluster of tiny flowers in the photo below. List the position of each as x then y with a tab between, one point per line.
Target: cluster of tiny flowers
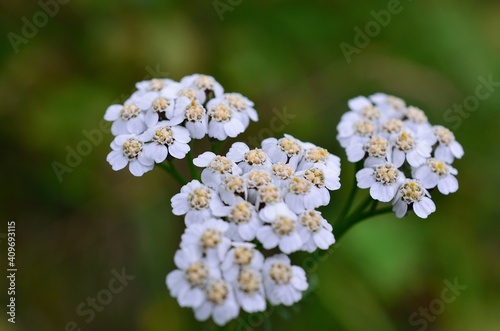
248	202
404	155
162	116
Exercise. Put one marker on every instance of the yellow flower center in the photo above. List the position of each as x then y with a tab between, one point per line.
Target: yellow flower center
386	173
283	225
280	273
199	198
196	273
194	112
164	136
299	185
312	220
241	213
217	291
255	157
282	171
129	111
243	255
132	148
269	194
210	238
249	281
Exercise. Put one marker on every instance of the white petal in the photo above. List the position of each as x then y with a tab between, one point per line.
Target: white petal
365	178
448	184
204	159
178	150
383	193
267	237
424	207
290	243
113	112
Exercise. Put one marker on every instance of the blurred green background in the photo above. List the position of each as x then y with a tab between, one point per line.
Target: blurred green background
283	55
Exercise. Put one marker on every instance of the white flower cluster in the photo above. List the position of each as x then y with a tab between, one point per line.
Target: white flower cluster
162	116
250	198
404	155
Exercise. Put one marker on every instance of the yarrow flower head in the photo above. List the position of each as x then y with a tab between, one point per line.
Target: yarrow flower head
265	196
404	156
166	115
247	210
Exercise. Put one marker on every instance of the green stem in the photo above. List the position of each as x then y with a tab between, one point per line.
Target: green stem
357	217
217	145
169	167
350	198
192	167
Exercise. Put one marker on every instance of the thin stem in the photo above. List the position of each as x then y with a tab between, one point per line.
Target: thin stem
192	167
350	198
217	145
169	167
180	179
358	217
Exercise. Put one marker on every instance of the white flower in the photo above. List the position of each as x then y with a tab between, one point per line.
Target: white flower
315	231
187	283
416	120
203	83
248	159
242	255
391	128
269	195
354	128
414	150
243	221
378	150
216	167
249	289
243	108
314	155
129	149
155	85
232	187
187	92
198	202
391	106
166	139
323	179
448	148
363	106
283	282
413	193
281	232
281	174
209	238
254	180
301	195
194	114
383	181
222	121
127	118
437	173
285	150
219	303
158	107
